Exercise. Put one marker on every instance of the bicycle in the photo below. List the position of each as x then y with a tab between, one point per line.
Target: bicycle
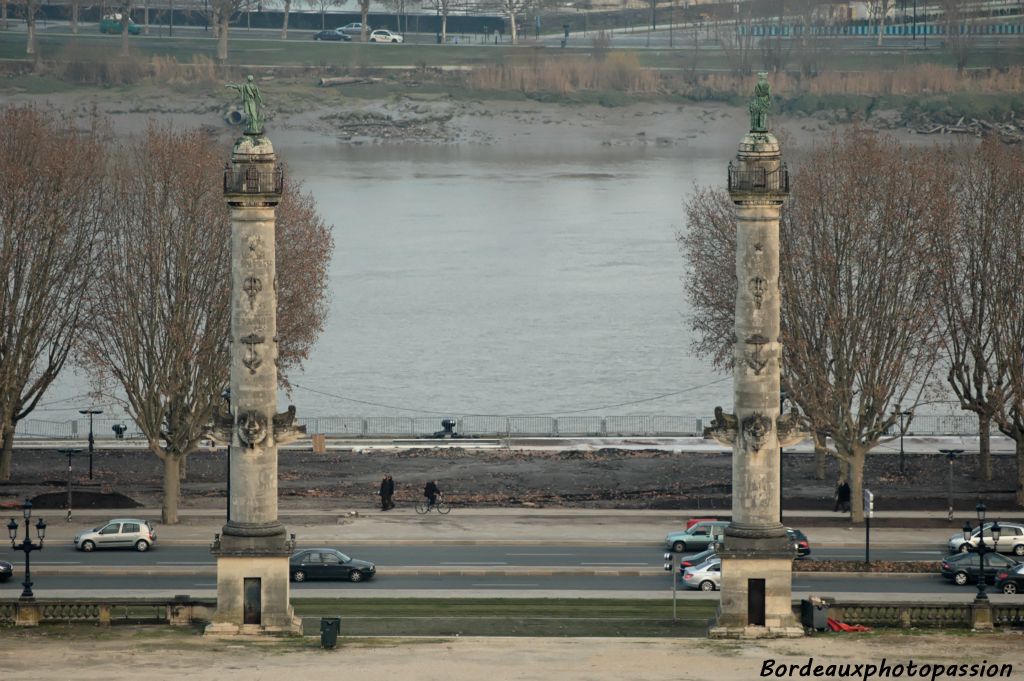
441	506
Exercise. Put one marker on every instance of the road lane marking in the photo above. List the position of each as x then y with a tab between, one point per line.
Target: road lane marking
634	564
501	584
58	562
473	563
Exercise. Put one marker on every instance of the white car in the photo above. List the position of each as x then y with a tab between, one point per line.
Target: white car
355	28
707	576
1011	539
382	36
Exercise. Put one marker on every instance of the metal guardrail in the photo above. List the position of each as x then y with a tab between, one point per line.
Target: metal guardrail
481	426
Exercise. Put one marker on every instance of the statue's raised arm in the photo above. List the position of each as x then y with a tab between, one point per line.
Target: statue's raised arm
252	105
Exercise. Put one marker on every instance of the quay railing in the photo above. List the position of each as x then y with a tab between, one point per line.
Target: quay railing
650	425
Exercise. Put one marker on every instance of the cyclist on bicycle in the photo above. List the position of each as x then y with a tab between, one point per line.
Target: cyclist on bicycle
431	492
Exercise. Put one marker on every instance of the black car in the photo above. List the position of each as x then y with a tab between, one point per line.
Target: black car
6	571
328	564
799	539
332	34
1011	581
963	568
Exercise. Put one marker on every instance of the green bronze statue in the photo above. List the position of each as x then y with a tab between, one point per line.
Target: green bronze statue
252	105
760	104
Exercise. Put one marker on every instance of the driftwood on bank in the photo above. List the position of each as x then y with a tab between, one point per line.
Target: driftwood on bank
1011	132
347	80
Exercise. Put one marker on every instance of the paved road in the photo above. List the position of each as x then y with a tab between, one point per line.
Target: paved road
435	556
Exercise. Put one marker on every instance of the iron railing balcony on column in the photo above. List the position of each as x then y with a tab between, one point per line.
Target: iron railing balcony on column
252	179
759	180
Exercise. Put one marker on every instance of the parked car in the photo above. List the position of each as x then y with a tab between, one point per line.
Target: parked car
325	563
1011	581
963	568
6	571
800	542
332	34
1011	539
382	36
118	533
111	23
355	28
707	576
696	538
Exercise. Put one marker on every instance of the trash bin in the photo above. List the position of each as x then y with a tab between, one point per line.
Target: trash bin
329	628
814	614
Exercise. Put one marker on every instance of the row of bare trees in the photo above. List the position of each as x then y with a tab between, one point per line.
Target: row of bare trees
116	254
900	276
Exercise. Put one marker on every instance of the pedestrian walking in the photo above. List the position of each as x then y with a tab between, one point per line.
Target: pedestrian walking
387	492
842	496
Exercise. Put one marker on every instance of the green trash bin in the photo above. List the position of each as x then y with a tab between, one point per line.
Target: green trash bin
329	628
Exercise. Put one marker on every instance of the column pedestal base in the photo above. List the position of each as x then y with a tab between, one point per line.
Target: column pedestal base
757	595
253	595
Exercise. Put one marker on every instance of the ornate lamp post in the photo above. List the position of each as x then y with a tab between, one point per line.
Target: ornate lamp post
26	544
982	549
91	413
951	455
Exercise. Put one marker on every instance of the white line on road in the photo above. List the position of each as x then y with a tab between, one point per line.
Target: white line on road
641	564
56	562
499	584
473	563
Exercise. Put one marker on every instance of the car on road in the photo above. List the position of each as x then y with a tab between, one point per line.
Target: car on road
111	23
117	533
383	36
697	537
1011	539
697	559
6	570
332	34
963	568
355	28
1011	581
800	542
325	563
707	576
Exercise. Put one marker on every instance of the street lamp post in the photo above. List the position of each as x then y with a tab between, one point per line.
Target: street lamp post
91	413
995	531
69	453
27	545
951	454
672	568
903	456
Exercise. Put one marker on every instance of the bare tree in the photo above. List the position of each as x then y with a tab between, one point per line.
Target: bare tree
856	263
399	7
736	41
364	13
443	8
76	6
880	9
221	13
958	44
160	316
126	18
49	224
971	279
31	8
322	6
286	5
511	9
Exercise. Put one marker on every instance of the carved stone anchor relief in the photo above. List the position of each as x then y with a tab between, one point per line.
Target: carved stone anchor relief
757	287
753	356
255	251
252	428
251	358
756	429
252	286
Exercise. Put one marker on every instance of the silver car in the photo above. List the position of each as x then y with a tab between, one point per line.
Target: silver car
118	533
707	576
1011	539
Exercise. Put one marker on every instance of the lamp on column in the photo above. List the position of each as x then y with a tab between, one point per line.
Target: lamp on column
27	545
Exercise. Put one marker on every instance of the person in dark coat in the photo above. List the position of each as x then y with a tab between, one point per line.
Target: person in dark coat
430	491
387	492
842	497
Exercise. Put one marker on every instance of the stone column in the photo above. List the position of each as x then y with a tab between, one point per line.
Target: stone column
253	548
757	555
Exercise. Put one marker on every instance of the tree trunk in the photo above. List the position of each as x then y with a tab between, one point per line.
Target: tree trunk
323	20
3	14
512	20
984	447
222	38
444	28
820	451
124	38
284	24
856	480
1020	469
7	453
172	489
145	17
364	12
74	16
30	21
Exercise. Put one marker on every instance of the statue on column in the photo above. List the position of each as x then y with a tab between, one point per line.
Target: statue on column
252	105
760	104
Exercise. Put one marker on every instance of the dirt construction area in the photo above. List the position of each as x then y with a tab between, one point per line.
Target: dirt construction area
603	478
91	654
